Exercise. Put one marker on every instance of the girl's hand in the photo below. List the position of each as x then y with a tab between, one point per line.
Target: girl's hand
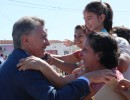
49	58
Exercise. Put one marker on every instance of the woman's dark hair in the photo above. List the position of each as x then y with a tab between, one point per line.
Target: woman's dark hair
122	32
107	48
102	8
80	27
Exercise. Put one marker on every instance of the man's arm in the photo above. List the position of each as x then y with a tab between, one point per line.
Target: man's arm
37	86
47	70
54	77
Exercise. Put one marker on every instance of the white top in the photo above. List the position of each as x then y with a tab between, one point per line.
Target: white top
1	60
127	73
124	47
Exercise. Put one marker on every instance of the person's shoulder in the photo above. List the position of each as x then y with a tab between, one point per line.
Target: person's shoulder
121	40
19	53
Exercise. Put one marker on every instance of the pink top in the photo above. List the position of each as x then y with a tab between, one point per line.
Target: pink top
97	86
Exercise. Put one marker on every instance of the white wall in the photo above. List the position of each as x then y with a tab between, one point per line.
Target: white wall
60	47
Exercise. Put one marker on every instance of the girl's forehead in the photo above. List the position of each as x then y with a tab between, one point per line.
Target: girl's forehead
79	31
89	13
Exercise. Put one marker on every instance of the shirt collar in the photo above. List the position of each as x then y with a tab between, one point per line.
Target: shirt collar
105	31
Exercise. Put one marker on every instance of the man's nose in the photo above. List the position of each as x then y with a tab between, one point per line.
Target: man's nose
47	42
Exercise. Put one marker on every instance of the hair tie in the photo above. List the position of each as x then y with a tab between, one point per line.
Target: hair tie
104	5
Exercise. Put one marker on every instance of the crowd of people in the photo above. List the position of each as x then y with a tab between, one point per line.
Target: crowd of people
27	74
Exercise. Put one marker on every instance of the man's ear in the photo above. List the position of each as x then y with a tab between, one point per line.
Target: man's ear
24	39
102	17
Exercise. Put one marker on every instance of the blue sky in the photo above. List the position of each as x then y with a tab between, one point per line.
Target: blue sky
61	16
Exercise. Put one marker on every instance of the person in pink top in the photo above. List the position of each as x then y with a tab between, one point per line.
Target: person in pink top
100	52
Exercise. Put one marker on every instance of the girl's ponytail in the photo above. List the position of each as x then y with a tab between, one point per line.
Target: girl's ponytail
109	18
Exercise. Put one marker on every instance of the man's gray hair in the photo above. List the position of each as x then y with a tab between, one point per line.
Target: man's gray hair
24	26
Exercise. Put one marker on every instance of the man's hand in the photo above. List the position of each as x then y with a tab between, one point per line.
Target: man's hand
100	76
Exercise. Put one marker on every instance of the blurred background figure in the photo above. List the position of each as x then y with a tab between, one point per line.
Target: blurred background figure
5	57
123	32
1	59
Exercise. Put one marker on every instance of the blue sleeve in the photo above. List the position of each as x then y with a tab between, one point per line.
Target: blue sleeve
38	87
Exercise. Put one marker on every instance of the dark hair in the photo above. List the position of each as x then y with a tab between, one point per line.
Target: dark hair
80	27
122	32
101	8
1	55
106	46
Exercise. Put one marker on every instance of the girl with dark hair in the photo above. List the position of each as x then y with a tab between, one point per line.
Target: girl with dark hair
98	17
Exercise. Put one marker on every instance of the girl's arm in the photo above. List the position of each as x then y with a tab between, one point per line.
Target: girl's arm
66	63
38	64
